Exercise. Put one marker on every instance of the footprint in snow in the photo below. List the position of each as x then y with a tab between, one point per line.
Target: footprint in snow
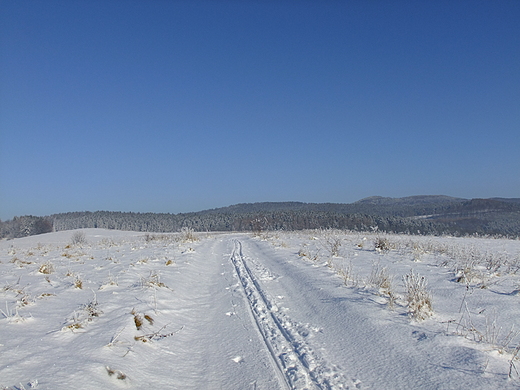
419	336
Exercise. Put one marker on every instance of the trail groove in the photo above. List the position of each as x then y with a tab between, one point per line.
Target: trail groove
297	365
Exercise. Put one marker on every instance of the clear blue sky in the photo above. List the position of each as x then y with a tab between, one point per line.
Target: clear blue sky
176	106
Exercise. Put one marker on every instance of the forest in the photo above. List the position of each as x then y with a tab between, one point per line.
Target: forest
418	215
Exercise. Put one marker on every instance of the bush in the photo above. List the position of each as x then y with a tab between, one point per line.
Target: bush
418	298
188	235
78	238
380	278
382	244
333	245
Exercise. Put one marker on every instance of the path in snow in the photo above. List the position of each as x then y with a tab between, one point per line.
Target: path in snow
297	365
322	335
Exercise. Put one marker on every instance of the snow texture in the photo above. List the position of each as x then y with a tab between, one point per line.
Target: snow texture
280	310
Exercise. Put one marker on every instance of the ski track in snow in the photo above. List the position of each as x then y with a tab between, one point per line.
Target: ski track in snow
297	365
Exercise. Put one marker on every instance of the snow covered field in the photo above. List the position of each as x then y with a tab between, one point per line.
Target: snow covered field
280	310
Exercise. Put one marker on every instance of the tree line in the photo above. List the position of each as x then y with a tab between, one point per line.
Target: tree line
482	217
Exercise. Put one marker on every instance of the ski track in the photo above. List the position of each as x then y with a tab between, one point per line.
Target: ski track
297	364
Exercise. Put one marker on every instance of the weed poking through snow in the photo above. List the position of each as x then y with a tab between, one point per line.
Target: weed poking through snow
88	312
418	298
46	268
118	374
78	238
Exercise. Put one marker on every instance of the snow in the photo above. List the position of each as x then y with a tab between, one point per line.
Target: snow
283	310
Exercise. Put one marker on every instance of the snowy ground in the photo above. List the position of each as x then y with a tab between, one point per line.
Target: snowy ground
291	310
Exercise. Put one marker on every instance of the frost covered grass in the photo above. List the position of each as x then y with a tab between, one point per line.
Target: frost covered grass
418	298
464	280
69	284
125	309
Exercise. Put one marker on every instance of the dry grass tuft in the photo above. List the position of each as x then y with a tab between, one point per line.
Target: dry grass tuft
46	268
45	295
137	319
419	300
188	235
118	374
155	336
153	280
149	319
140	318
78	283
382	244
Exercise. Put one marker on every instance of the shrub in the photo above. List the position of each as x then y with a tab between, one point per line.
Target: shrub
382	244
380	278
347	274
78	238
333	245
152	281
88	312
418	298
188	235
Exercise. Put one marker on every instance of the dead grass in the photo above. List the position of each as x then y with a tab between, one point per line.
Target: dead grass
418	298
46	268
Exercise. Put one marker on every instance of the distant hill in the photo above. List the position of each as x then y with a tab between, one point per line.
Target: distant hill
425	214
410	200
375	205
507	200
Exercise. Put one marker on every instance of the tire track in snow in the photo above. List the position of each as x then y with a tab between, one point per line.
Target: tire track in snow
296	364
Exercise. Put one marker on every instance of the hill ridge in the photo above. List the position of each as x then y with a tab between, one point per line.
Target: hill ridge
420	214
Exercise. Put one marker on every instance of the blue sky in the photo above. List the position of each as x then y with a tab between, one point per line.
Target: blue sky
177	106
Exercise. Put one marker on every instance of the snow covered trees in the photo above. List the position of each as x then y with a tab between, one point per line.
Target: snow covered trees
25	226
